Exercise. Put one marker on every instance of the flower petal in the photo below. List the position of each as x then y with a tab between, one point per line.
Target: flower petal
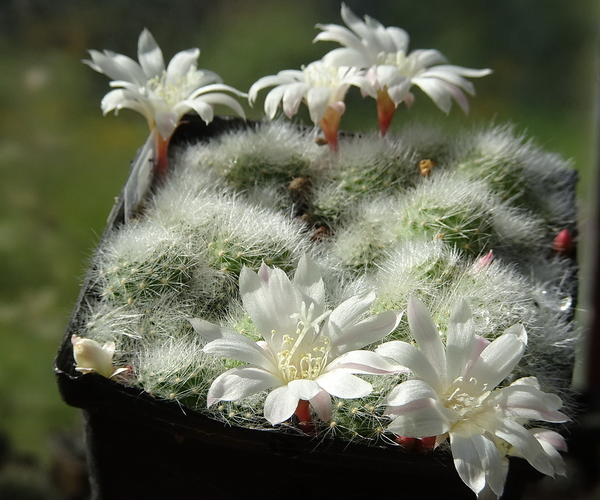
497	360
365	332
280	405
344	385
239	383
408	355
308	280
317	99
525	401
420	418
271	302
303	388
241	348
149	55
426	334
364	362
322	405
467	462
209	331
459	340
181	64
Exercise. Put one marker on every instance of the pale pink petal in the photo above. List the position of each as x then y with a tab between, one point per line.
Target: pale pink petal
322	405
524	401
493	464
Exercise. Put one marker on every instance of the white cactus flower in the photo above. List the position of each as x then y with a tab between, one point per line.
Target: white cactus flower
320	86
161	95
453	394
308	352
392	70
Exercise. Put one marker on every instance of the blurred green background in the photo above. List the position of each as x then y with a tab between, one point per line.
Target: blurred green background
62	163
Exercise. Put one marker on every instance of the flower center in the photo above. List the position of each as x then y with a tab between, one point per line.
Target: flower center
462	400
172	89
320	75
408	66
304	354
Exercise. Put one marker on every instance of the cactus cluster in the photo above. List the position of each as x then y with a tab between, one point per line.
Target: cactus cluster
473	215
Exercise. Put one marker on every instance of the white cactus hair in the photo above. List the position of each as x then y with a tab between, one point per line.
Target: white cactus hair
370	219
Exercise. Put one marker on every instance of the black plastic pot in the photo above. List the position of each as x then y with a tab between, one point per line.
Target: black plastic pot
142	447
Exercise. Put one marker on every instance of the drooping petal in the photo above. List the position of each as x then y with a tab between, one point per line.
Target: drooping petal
466	461
491	460
280	405
317	99
272	101
239	383
322	405
344	385
526	444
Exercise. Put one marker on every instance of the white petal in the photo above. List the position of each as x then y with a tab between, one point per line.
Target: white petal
408	355
241	348
280	405
344	385
209	331
166	121
322	405
491	461
437	90
218	98
272	101
317	99
308	280
525	443
347	57
524	401
426	334
239	383
408	392
420	419
551	437
336	33
117	67
270	303
149	55
460	340
181	64
496	361
466	461
364	362
347	313
303	389
292	97
366	332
